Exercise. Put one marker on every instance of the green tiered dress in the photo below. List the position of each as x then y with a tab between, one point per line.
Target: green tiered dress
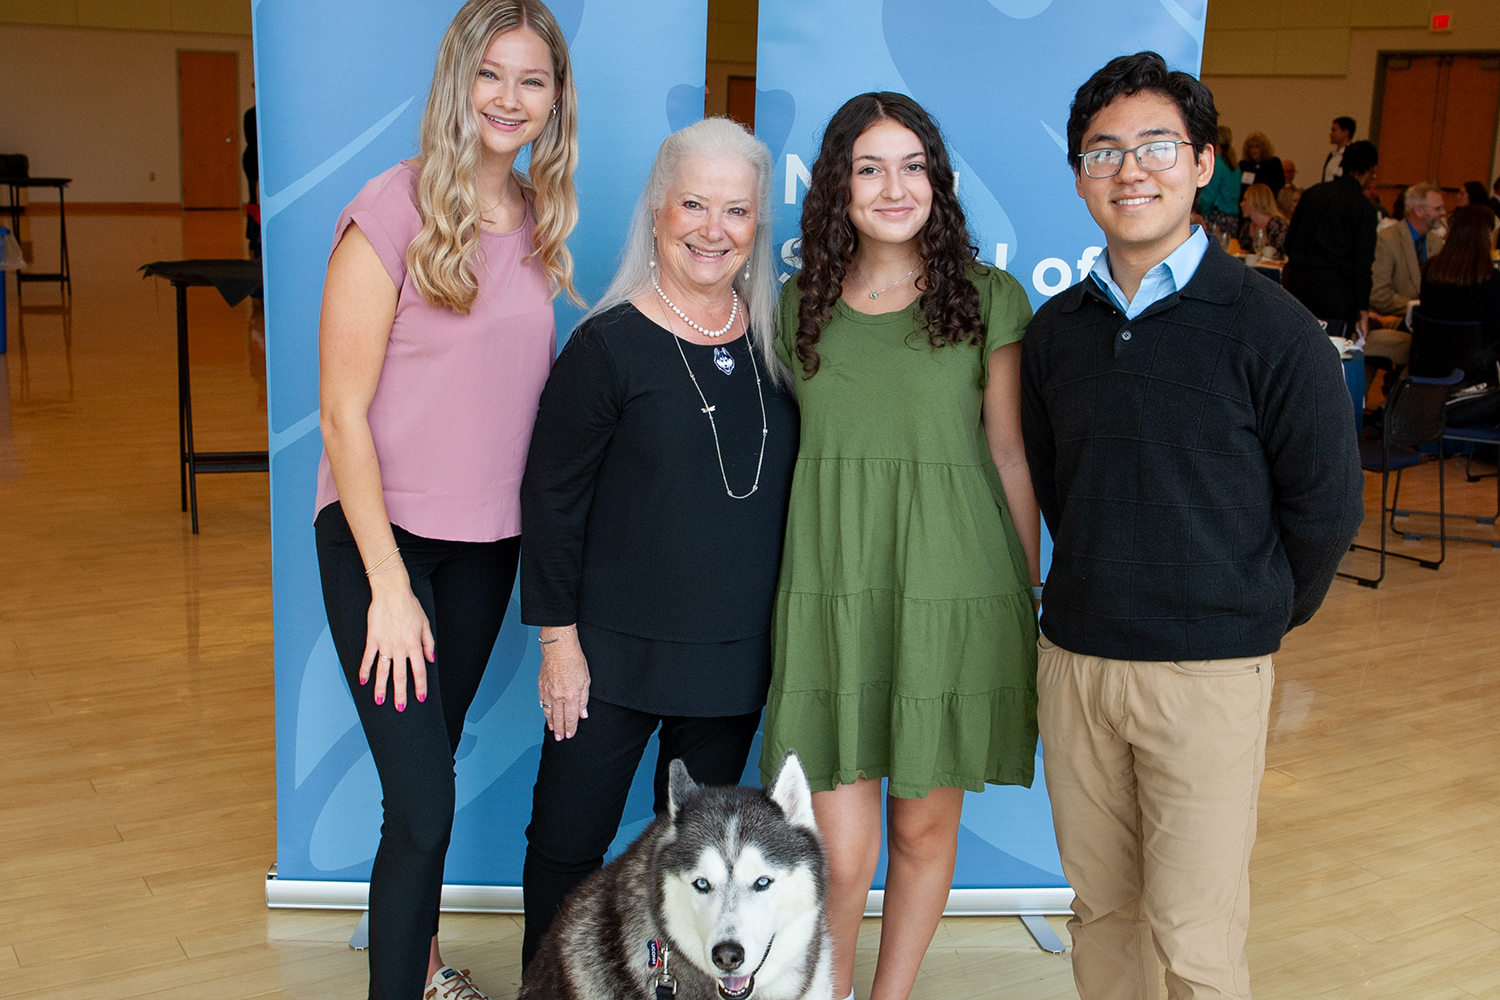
904	633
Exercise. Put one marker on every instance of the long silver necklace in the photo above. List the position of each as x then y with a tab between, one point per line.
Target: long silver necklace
733	312
709	410
876	295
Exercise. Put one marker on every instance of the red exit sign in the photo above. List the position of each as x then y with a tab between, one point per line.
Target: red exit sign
1442	22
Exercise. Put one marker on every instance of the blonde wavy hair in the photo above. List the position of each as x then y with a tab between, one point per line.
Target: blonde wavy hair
1260	199
440	258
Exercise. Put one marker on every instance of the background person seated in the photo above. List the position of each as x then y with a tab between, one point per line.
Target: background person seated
1264	227
1401	250
1459	283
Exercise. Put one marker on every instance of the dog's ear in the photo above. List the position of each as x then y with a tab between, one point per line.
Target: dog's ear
679	786
790	791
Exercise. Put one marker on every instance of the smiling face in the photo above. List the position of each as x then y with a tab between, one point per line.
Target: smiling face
705	227
513	92
1143	211
890	194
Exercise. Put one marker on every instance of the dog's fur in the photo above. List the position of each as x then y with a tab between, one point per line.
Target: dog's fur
731	881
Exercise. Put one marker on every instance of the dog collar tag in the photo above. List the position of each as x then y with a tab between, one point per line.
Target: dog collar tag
653	953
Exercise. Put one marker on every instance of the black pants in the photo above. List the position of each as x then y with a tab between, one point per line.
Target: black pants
464	588
582	785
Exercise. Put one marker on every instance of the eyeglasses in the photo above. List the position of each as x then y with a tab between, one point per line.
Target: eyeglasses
1106	162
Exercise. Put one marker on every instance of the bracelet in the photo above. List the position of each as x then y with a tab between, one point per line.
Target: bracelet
548	642
374	573
372	569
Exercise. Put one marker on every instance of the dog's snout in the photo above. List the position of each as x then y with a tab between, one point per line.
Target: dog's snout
728	955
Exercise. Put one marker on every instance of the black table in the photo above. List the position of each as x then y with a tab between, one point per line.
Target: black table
63	276
234	280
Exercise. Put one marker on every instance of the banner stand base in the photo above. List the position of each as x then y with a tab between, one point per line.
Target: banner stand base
1042	933
360	939
311	894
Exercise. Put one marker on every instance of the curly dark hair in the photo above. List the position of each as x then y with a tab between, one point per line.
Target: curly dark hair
1125	76
949	303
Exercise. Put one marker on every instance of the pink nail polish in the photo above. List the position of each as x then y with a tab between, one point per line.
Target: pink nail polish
400	707
422	697
379	699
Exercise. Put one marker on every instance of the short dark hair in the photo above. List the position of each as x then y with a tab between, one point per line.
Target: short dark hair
1126	76
1359	157
1477	194
1346	123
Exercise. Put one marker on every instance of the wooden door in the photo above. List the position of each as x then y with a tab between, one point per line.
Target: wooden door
208	105
742	100
1437	118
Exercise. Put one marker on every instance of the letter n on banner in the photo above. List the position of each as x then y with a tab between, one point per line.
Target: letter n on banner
998	76
340	93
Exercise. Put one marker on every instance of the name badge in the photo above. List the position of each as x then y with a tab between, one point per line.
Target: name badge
1248	177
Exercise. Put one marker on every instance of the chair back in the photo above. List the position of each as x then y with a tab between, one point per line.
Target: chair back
14	165
1438	346
1414	412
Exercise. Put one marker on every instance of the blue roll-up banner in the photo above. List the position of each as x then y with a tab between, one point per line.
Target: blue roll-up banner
998	76
340	91
341	86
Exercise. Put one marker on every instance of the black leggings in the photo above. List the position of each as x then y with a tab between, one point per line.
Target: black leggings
582	785
464	588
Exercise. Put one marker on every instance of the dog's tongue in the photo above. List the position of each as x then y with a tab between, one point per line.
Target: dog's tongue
735	984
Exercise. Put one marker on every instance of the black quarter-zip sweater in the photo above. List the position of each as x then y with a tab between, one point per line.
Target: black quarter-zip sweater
1197	466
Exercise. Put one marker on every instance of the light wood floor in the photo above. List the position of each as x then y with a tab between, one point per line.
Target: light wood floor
137	808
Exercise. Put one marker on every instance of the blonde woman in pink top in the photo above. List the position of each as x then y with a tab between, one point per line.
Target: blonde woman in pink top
435	340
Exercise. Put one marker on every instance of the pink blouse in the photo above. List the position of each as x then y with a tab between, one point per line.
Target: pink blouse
457	396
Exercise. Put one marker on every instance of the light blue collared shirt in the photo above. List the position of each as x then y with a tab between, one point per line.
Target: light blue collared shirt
1171	275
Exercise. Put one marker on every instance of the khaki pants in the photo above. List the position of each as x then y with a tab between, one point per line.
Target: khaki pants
1153	769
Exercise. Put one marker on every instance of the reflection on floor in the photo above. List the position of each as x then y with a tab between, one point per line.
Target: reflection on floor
137	791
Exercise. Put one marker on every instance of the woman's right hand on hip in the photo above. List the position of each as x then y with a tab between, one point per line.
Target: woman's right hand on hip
563	683
398	638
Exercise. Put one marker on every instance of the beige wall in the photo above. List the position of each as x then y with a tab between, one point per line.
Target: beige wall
1295	110
100	105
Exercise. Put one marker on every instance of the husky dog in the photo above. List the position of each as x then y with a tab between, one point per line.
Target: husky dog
719	899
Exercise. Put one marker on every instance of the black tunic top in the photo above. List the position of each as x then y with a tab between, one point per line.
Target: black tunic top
626	523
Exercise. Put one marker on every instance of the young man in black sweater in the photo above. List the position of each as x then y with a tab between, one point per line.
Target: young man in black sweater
1192	447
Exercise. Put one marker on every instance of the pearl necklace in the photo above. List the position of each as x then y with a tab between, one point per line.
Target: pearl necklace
709	410
733	312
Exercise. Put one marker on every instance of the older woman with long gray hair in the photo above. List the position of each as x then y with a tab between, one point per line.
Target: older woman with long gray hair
652	509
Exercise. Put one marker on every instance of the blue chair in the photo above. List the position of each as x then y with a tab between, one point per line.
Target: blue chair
1439	346
1413	418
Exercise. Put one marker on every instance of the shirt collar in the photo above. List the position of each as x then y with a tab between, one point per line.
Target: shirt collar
1171	275
1416	237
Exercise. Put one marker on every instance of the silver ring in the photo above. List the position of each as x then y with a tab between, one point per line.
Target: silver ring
545	707
385	657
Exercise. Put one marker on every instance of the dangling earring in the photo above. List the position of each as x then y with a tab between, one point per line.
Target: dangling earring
747	270
554	111
652	262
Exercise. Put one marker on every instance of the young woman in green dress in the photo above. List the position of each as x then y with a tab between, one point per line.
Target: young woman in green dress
904	637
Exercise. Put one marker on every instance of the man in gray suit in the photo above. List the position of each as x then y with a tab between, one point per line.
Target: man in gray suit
1400	252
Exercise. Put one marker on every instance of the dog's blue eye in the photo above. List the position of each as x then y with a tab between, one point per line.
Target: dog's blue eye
701	884
762	883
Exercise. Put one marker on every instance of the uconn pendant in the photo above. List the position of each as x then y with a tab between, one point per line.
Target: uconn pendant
724	360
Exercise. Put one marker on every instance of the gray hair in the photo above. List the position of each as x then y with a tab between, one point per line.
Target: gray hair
709	139
1418	192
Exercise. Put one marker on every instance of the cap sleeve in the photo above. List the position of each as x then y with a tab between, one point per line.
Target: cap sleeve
1006	311
386	212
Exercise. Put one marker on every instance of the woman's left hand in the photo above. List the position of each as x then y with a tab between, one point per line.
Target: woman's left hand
562	685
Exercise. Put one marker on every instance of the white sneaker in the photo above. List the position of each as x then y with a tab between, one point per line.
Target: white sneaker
449	983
